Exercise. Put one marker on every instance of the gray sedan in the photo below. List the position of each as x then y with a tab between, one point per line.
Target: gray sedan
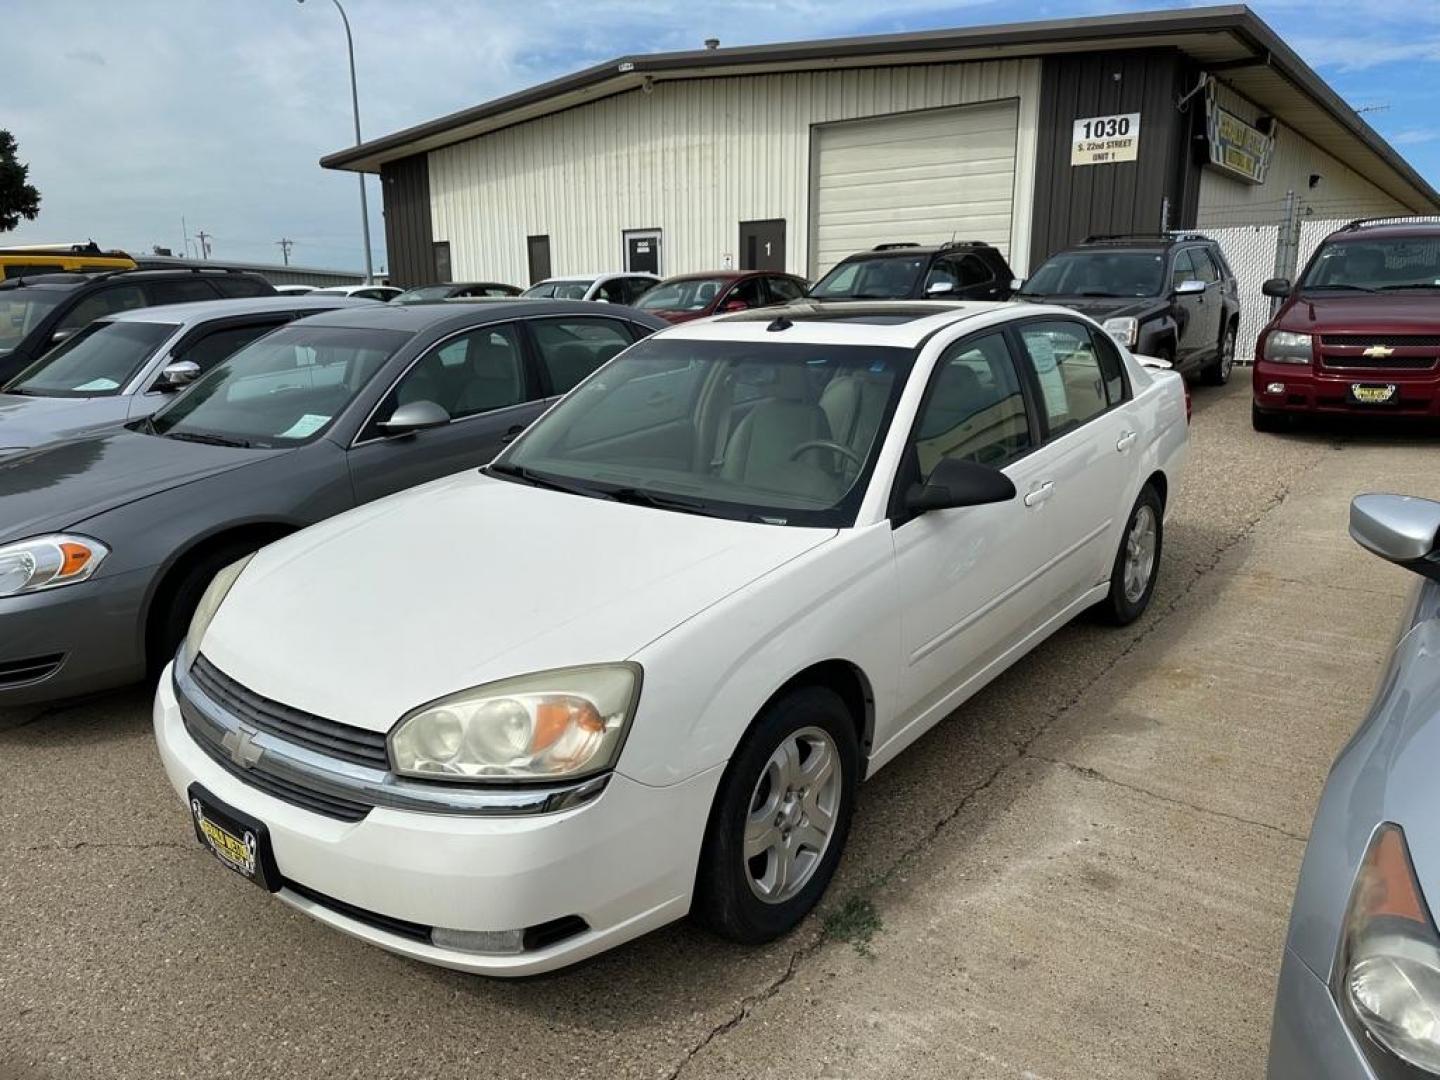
1359	994
107	541
130	364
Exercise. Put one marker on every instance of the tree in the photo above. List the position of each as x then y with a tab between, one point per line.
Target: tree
17	198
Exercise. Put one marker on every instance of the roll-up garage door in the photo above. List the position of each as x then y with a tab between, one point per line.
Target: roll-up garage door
925	177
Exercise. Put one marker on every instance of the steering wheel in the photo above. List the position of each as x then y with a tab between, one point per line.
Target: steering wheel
825	444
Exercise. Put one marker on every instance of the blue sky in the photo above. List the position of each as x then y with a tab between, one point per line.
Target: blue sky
132	115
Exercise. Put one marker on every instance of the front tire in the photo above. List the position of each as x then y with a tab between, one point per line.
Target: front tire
780	818
1137	563
177	600
1218	373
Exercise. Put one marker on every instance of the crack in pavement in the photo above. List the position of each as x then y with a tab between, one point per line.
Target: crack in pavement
1095	774
141	845
1022	751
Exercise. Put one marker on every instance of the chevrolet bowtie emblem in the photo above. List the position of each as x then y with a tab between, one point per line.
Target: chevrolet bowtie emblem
241	747
1379	352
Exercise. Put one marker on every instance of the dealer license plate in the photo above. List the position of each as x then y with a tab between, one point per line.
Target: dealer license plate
1372	393
239	841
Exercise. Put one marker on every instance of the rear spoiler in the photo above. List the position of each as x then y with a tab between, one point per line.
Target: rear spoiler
1153	362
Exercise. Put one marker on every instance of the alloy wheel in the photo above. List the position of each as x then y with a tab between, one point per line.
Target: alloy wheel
792	815
1139	553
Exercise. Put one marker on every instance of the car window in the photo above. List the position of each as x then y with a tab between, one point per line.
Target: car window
239	285
637	287
1183	270
97	361
1112	368
974	408
22	310
373	294
105	302
784	289
209	349
663	395
613	291
473	373
1098	273
1204	267
879	277
1072	386
973	270
179	292
683	294
570	349
752	291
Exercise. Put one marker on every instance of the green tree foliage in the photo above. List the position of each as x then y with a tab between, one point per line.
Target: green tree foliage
17	198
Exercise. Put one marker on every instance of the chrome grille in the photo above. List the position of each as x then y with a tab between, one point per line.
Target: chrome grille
1377	363
327	737
1392	341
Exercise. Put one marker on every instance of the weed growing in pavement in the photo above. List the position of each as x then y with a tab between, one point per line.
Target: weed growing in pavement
855	921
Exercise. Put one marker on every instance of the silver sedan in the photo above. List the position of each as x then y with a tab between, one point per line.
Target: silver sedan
1359	994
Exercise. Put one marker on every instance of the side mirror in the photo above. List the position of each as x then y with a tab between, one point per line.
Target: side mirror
734	304
414	416
1277	287
179	374
1399	528
957	482
1192	287
939	288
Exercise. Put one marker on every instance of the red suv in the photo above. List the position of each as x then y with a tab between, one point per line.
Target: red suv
1360	331
694	296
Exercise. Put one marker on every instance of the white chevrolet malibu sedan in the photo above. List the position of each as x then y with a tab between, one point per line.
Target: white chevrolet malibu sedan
639	665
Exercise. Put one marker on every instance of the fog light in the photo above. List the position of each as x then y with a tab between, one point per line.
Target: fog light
1275	388
494	942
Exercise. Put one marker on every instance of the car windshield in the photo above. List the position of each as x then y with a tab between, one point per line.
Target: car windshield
781	433
425	292
96	362
1376	265
884	277
688	294
560	290
1098	273
21	310
281	390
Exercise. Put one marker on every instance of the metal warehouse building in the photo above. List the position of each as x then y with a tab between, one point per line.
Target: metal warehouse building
1030	136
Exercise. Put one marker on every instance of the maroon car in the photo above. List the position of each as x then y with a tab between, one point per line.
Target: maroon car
694	296
1360	331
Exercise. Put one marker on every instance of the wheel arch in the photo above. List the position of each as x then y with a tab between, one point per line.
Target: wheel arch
1161	483
853	687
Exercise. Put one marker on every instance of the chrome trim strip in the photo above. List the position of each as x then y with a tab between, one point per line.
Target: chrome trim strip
208	724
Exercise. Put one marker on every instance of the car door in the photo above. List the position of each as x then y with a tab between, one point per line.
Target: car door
964	575
1212	303
205	348
1189	309
483	378
1088	455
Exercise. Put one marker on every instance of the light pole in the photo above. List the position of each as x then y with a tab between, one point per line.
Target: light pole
355	106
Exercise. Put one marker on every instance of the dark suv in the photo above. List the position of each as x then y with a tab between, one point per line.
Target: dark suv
1173	296
41	310
967	270
1359	332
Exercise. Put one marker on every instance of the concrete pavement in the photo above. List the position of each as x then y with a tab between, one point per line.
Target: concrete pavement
1085	873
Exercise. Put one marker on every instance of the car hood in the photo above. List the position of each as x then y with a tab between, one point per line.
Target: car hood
366	616
33	421
1100	308
1350	313
57	486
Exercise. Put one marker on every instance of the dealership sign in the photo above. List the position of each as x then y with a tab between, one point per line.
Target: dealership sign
1101	140
1238	148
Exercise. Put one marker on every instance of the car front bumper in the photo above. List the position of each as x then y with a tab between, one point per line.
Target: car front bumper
1309	1039
73	640
1300	388
623	862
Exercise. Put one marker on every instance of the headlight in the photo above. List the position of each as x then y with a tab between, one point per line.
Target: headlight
1390	964
210	603
1124	330
1285	347
47	562
554	724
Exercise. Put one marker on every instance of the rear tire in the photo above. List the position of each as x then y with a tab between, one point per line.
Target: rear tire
1137	563
780	818
1271	422
1218	373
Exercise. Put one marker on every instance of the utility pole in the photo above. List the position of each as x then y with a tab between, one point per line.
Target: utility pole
204	238
285	244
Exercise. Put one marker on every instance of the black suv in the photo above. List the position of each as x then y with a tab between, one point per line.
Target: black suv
40	310
1172	296
967	270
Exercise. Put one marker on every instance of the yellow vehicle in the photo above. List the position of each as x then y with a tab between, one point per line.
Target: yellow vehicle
56	258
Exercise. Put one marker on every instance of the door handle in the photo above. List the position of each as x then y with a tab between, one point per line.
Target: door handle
510	435
1036	496
1126	441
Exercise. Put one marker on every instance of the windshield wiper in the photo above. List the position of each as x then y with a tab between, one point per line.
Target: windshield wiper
208	438
534	479
18	392
1390	288
641	497
1339	285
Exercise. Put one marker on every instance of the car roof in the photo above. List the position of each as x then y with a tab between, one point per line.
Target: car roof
596	277
895	324
202	310
456	315
74	279
1359	232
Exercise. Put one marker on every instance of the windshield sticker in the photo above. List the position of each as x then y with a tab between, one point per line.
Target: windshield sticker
99	384
305	426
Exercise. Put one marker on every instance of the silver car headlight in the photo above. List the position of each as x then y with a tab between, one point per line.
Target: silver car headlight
551	725
210	602
1390	961
48	562
1286	347
1125	330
